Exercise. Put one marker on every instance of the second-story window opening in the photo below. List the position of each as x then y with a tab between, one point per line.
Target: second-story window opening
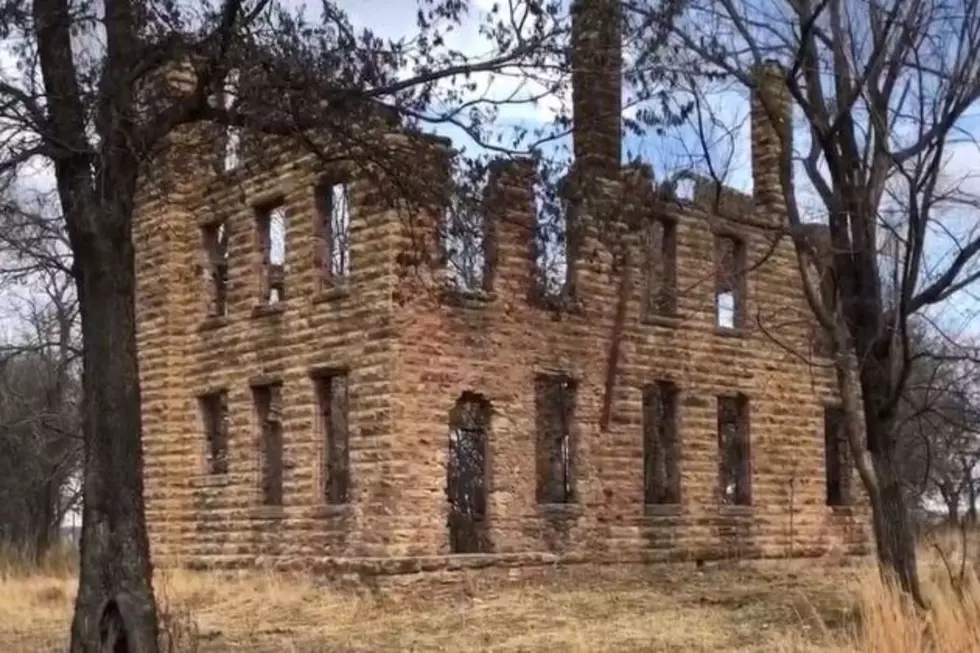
730	262
464	241
231	158
272	240
215	237
662	267
333	230
554	239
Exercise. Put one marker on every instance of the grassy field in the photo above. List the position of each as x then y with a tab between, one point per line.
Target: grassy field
787	606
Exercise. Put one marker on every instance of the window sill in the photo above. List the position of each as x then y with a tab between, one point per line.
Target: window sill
267	512
736	332
212	322
268	310
236	173
726	510
672	320
327	510
329	293
557	304
220	178
560	510
662	509
466	298
842	510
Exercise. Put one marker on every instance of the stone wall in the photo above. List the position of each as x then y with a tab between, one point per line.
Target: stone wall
411	348
185	353
494	343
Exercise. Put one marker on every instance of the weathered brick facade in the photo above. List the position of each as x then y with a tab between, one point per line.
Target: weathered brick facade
409	352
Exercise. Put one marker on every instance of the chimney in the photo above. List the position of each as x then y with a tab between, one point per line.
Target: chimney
597	62
771	116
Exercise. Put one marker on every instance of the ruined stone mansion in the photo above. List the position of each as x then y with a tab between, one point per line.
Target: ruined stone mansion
314	395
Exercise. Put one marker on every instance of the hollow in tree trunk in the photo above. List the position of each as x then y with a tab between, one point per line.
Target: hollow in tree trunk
115	609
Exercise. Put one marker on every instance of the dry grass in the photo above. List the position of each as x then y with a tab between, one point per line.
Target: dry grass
787	607
949	565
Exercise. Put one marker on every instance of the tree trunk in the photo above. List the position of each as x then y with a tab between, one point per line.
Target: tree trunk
952	501
894	536
971	510
115	609
44	522
891	520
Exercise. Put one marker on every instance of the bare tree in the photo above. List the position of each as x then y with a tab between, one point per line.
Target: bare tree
39	381
41	450
102	87
881	91
939	426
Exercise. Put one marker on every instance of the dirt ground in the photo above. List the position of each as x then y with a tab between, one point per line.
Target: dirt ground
793	606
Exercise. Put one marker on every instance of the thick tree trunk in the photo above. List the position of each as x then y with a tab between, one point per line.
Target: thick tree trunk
894	535
115	609
891	519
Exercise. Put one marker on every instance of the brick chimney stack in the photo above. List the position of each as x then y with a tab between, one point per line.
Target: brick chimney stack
597	62
771	123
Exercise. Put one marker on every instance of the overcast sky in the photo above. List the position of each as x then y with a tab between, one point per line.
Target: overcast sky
678	148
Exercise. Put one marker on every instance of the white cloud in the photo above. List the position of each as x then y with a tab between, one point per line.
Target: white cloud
517	96
961	173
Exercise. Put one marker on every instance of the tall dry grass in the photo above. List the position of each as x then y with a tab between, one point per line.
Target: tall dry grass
714	611
59	561
891	623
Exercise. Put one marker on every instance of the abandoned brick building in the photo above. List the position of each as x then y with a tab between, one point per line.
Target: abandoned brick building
307	402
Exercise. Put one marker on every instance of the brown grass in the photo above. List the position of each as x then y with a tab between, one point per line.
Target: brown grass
952	625
788	607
